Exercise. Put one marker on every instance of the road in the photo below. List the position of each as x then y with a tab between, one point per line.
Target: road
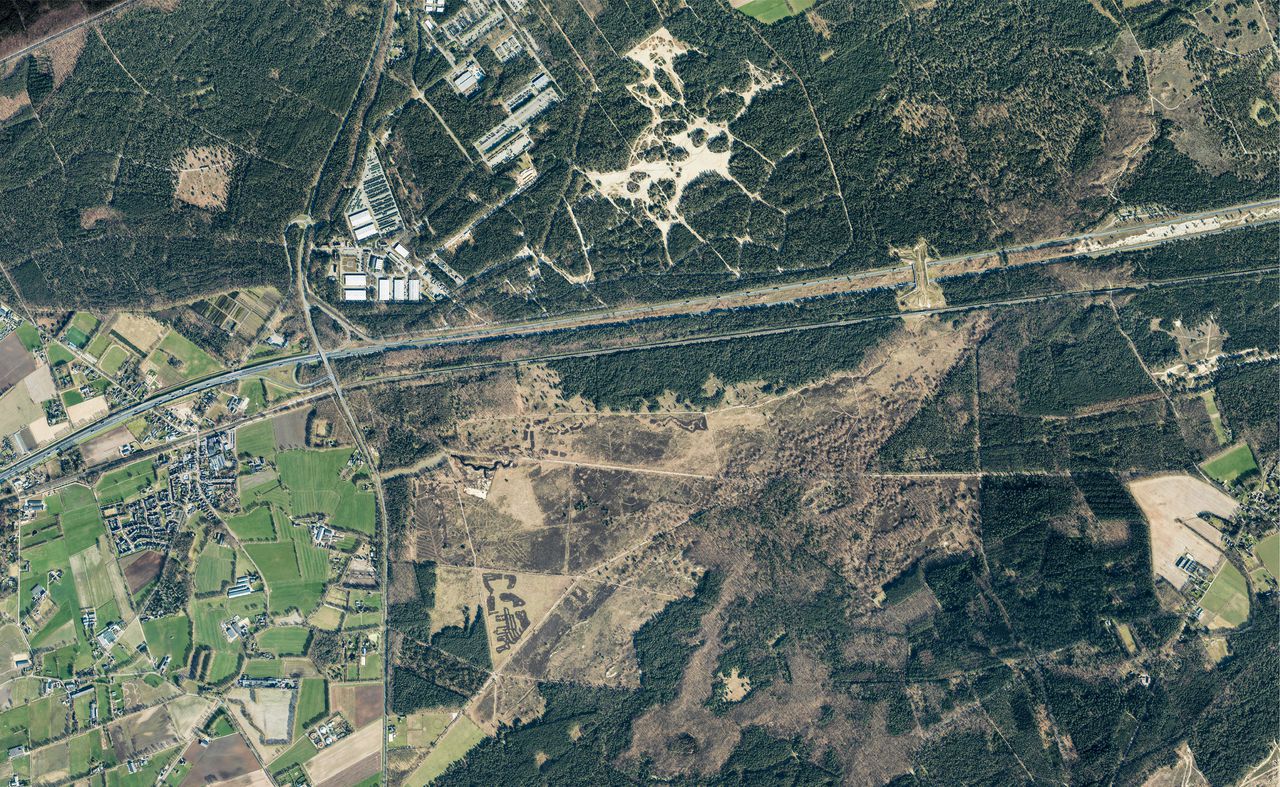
781	293
88	20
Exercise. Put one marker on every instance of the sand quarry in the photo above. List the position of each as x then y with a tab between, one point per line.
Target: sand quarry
637	182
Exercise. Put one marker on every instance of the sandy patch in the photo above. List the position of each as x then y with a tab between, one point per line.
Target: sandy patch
44	433
106	447
142	332
1172	505
512	493
734	687
40	384
458	593
88	411
89	217
658	185
267	711
187	712
204	176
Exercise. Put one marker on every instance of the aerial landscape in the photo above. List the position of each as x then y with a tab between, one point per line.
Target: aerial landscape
608	392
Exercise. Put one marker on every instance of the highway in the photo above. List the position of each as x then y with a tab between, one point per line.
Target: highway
781	293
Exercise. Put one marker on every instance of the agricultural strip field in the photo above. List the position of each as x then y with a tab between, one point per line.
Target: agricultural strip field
313	702
461	737
257	440
214	568
1228	596
1268	551
314	481
119	485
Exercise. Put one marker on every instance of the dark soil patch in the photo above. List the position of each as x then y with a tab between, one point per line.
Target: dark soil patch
141	568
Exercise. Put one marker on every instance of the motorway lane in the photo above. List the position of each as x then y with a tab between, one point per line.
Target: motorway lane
581	320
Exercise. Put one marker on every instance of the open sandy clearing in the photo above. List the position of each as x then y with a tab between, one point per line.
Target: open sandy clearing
1172	505
142	332
203	176
88	411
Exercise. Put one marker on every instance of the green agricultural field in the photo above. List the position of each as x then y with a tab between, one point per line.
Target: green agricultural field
259	394
59	354
14	724
313	702
60	629
49	718
99	345
285	640
87	752
768	11
314	481
169	636
146	775
293	569
264	668
219	725
214	568
263	488
1232	464
29	336
207	615
1228	596
85	322
113	359
71	398
257	440
80	518
194	361
1268	551
119	485
295	755
253	526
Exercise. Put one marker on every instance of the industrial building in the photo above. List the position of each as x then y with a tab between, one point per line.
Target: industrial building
372	210
510	138
466	78
508	48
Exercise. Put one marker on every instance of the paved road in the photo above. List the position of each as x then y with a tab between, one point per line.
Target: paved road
88	20
777	294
